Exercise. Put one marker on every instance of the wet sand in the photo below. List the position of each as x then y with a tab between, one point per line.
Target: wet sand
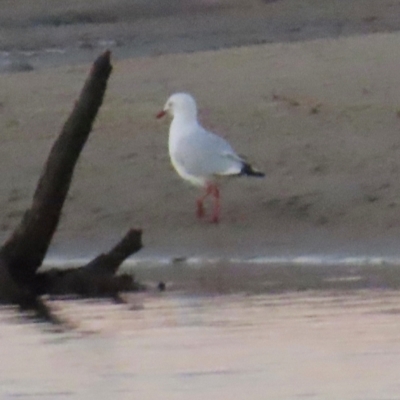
34	35
313	345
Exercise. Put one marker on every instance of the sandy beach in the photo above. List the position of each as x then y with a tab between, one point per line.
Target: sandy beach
319	116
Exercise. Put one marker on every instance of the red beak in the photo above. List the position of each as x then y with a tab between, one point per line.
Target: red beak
160	114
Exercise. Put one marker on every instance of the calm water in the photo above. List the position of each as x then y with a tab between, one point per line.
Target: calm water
300	346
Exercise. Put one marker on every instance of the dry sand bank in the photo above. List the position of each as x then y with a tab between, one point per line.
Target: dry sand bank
320	117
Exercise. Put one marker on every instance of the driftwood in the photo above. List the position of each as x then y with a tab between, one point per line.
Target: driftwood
97	278
23	253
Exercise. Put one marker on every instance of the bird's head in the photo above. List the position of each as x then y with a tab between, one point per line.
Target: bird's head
180	104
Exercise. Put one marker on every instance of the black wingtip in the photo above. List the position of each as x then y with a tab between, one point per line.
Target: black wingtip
248	170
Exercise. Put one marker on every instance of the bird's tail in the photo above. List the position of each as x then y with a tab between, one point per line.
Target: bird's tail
248	170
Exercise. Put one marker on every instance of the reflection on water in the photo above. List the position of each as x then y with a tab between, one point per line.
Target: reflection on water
312	345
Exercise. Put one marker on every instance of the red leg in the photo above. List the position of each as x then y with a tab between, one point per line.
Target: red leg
216	212
200	206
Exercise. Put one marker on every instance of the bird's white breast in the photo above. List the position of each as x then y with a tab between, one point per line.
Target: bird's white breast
198	155
181	152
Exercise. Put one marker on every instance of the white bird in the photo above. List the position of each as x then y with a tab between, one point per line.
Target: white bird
198	155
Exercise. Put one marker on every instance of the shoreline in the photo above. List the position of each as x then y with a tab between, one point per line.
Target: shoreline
198	262
205	276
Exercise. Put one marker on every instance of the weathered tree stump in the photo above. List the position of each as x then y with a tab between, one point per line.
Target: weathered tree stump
23	253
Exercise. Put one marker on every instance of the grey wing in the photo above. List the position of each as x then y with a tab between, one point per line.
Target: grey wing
208	154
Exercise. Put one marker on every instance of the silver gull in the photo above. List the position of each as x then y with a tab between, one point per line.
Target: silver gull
198	155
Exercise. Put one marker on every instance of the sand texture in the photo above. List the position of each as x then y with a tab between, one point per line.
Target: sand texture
319	116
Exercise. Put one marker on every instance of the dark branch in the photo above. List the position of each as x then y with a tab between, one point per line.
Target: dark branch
97	278
25	250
